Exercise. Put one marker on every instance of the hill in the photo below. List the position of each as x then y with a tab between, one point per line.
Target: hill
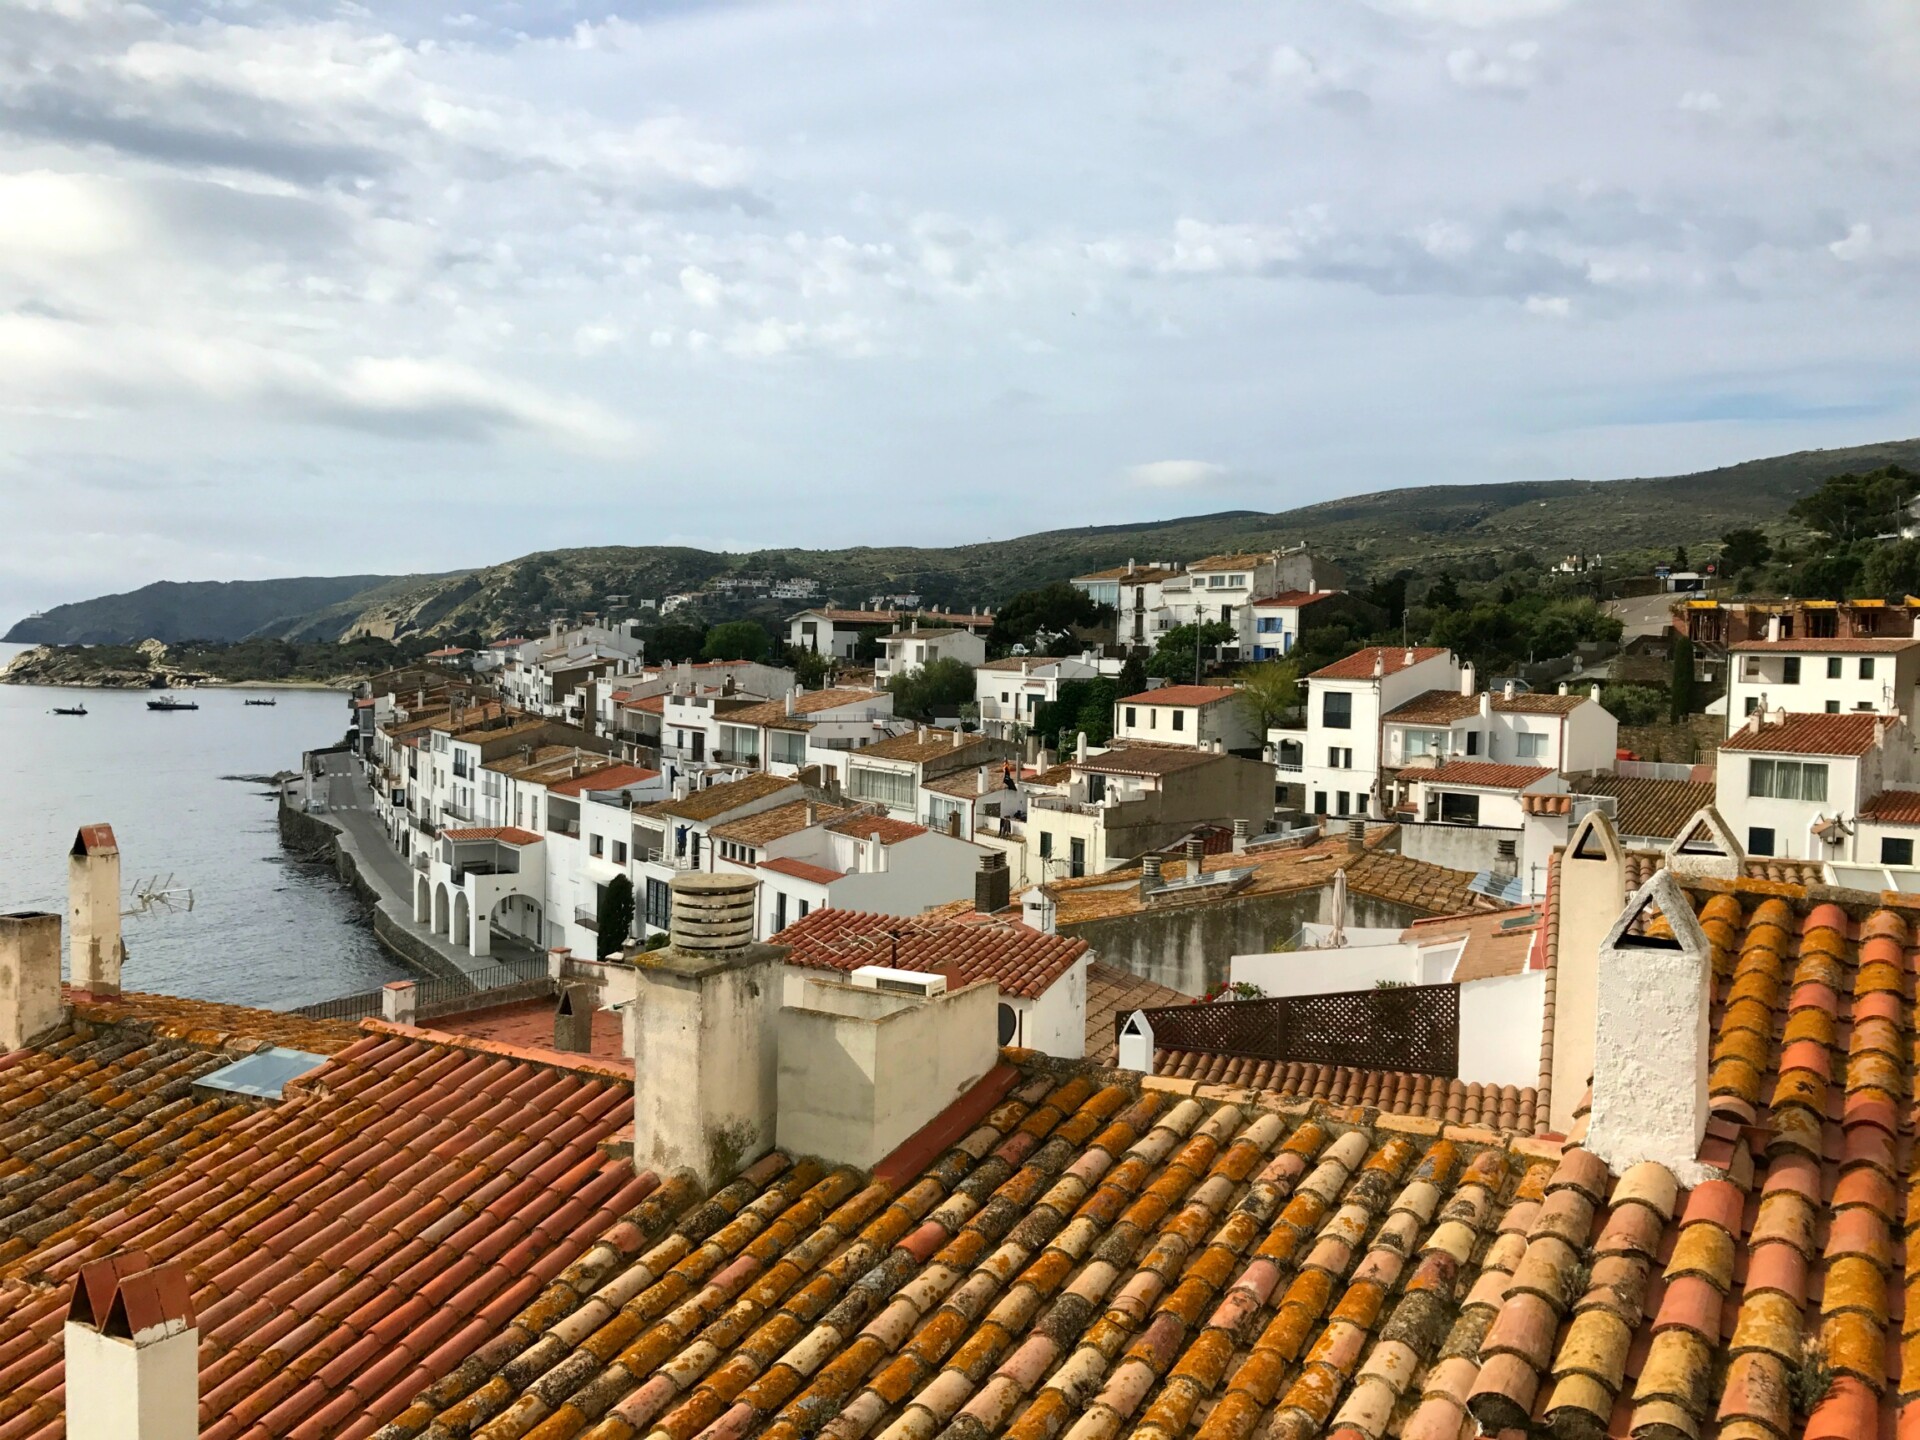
196	610
1422	527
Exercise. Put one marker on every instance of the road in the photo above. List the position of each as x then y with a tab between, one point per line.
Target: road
1642	614
348	806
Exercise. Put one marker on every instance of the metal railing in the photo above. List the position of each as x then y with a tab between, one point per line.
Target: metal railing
442	995
420	861
586	917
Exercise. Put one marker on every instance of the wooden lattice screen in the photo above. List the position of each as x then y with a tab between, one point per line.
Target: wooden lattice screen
1415	1028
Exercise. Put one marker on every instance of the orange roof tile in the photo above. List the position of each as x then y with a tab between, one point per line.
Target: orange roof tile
1293	599
884	828
921	745
1019	959
506	834
607	777
1893	807
1482	775
1801	734
765	825
1182	695
1832	645
1393	658
803	870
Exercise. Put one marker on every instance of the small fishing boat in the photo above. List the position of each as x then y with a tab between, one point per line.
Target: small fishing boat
167	702
263	702
70	709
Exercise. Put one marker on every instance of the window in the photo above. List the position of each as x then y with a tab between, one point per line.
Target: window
890	787
1786	780
1336	710
1216	582
599	846
1424	742
786	747
1339	757
1046	845
1269	625
1532	747
1866	669
1459	809
1752	704
1833	707
619	852
1340	799
1833	667
779	911
940	808
803	909
1790	670
1319	802
1760	840
1895	852
659	904
1096	788
1473	742
1076	858
1133	717
1179	719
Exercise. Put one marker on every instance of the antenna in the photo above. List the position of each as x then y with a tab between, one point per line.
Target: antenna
159	896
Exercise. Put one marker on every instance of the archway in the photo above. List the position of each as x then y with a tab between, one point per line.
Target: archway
518	918
441	910
422	900
462	919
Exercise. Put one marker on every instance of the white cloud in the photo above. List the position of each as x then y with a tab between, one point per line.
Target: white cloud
1475	13
702	289
1512	70
1856	245
1175	474
1700	102
1551	307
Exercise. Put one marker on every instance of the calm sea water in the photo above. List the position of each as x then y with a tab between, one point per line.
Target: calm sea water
263	930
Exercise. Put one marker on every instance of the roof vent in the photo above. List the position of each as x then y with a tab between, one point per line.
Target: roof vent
898	982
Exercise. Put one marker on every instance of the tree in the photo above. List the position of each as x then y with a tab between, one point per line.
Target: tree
1679	557
1858	507
737	640
939	685
615	915
1084	706
809	666
1745	549
1829	577
1133	676
1269	692
1444	593
1892	570
1680	684
1054	607
1634	704
1174	659
675	641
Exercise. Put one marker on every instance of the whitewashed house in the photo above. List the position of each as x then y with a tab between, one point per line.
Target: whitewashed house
1343	755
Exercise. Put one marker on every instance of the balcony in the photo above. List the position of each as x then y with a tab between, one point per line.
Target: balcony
420	861
1063	805
564	827
452	811
586	918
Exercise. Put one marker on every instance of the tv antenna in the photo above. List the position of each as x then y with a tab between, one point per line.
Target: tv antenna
158	896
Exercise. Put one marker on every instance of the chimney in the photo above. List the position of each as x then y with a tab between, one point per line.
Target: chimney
1506	690
1593	693
983	782
1379	663
953	824
1409	656
1563	687
992	883
400	1001
1130	567
1356	836
1149	873
959	737
705	1029
1240	828
93	911
132	1353
1080	748
573	1022
1037	910
920	734
1651	1035
1773	627
29	978
1466	678
813	814
1591	880
1486	706
1196	857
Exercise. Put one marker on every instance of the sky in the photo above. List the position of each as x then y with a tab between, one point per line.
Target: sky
292	288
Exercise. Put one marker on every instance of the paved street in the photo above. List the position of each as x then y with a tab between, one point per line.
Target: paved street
350	808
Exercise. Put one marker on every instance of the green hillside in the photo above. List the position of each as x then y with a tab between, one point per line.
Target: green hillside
194	610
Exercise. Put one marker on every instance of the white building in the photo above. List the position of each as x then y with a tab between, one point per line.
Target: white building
836	632
1137	596
1343	756
1201	717
788	734
1009	692
1793	785
1225	587
1566	732
1479	793
1275	622
1823	676
905	651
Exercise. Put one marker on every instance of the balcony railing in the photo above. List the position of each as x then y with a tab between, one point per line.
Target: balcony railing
420	860
457	812
1065	806
565	827
1291	767
589	919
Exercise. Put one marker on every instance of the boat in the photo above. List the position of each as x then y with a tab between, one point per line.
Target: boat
70	709
167	702
263	702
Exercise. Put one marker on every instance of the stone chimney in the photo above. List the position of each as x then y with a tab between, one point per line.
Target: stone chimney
1149	874
1592	877
132	1353
400	1001
29	978
1356	836
992	883
1240	828
1651	1036
1196	857
704	1030
93	911
573	1022
1466	678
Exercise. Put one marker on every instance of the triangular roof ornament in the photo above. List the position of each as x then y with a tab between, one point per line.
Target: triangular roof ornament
1594	838
1706	848
1136	1044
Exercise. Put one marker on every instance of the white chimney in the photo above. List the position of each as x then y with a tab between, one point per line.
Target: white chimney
790	695
93	911
1379	663
1506	690
1080	747
1563	687
1466	678
132	1353
1593	693
1773	627
29	978
983	781
705	1028
1409	657
1037	910
959	737
1651	1036
1486	706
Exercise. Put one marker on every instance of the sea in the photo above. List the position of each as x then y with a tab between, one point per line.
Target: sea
233	917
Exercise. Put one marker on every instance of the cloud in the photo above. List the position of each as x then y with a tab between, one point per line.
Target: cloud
1510	71
1700	102
1475	13
1856	245
1549	307
1175	474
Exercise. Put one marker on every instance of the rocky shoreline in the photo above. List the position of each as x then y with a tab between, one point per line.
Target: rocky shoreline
80	668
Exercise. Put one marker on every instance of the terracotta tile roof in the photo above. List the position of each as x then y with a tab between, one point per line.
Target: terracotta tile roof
1293	599
444	651
647	704
1393	658
1833	645
808	702
965	784
528	1025
884	828
1653	808
1145	760
1802	734
608	777
240	1028
403	1207
1498	942
1483	775
926	633
1020	960
765	825
1893	807
1536	804
717	800
1434	707
1455	1102
1141	574
1541	703
803	870
1230	562
918	746
1182	695
507	834
1111	992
